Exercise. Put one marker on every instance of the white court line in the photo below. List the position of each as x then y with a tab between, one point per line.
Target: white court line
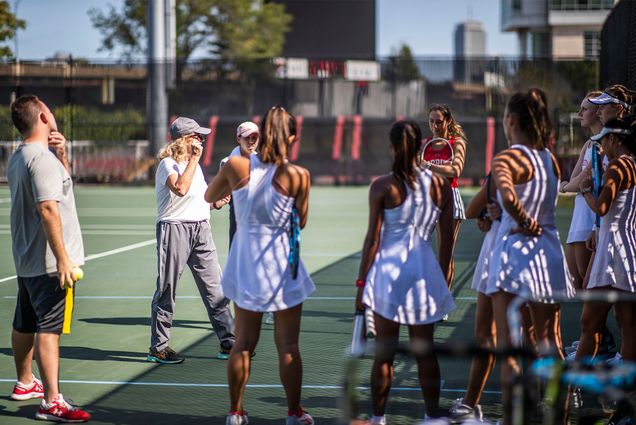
200	385
104	254
187	297
122	232
197	297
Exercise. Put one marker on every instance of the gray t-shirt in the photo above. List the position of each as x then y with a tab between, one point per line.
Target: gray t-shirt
36	175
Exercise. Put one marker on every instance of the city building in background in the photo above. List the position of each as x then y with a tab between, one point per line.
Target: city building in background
469	44
557	29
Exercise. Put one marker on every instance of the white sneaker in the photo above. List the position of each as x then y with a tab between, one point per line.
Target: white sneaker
304	419
616	360
269	320
571	356
573	347
460	412
377	420
236	418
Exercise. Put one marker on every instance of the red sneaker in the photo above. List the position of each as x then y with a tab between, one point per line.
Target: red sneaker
59	410
27	392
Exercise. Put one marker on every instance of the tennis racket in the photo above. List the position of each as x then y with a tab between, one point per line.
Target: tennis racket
597	174
358	337
369	322
294	242
436	155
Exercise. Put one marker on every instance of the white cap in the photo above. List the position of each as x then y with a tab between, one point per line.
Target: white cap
245	129
605	98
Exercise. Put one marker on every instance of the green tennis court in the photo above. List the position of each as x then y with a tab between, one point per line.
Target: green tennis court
103	363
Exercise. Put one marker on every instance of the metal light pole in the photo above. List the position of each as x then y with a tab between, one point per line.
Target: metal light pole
157	98
17	71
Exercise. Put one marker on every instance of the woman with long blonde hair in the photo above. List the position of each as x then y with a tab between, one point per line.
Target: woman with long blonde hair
184	239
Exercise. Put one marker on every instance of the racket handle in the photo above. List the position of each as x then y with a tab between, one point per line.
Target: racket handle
358	340
68	310
370	323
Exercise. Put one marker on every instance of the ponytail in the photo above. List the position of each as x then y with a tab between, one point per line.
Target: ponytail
623	94
278	126
531	109
405	138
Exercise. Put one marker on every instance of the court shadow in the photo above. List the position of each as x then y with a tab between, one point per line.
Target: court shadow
85	353
145	321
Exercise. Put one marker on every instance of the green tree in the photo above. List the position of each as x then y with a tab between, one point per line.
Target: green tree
9	25
403	64
229	30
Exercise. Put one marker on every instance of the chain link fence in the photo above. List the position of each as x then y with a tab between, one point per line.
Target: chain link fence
101	108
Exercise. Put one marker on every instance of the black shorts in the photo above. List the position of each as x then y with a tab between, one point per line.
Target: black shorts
40	305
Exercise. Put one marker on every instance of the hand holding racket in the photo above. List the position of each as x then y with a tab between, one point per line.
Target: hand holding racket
429	155
597	174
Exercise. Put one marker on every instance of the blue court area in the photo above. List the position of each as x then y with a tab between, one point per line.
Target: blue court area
103	363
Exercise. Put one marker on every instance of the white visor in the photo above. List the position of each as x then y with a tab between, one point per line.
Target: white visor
605	131
605	98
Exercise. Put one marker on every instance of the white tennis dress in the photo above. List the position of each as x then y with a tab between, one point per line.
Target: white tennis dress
582	216
615	261
480	277
257	274
532	267
405	283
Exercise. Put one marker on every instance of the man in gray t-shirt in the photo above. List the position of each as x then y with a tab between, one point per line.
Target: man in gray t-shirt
47	246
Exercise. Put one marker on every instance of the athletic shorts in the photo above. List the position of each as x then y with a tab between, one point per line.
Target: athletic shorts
40	305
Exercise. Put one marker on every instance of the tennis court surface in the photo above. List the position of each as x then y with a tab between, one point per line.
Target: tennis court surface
103	363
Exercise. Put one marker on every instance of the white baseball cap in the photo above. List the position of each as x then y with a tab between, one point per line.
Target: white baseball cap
247	128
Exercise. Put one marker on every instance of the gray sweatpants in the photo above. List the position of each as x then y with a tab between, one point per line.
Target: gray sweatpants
178	245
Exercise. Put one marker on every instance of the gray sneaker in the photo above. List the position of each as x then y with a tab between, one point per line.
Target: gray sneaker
460	412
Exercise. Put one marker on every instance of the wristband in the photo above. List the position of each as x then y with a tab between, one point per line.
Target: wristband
586	190
360	283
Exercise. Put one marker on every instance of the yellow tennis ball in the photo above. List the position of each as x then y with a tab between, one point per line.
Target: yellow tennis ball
79	273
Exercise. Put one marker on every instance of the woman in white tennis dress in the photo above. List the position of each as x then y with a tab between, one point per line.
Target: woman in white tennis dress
400	278
614	265
527	258
577	254
258	275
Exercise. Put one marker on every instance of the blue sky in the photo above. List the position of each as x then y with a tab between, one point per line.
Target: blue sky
425	25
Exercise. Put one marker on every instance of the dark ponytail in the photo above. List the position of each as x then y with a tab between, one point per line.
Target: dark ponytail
531	109
278	125
406	138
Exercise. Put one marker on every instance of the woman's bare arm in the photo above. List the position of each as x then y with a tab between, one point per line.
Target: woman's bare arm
510	167
455	168
576	176
371	243
619	175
